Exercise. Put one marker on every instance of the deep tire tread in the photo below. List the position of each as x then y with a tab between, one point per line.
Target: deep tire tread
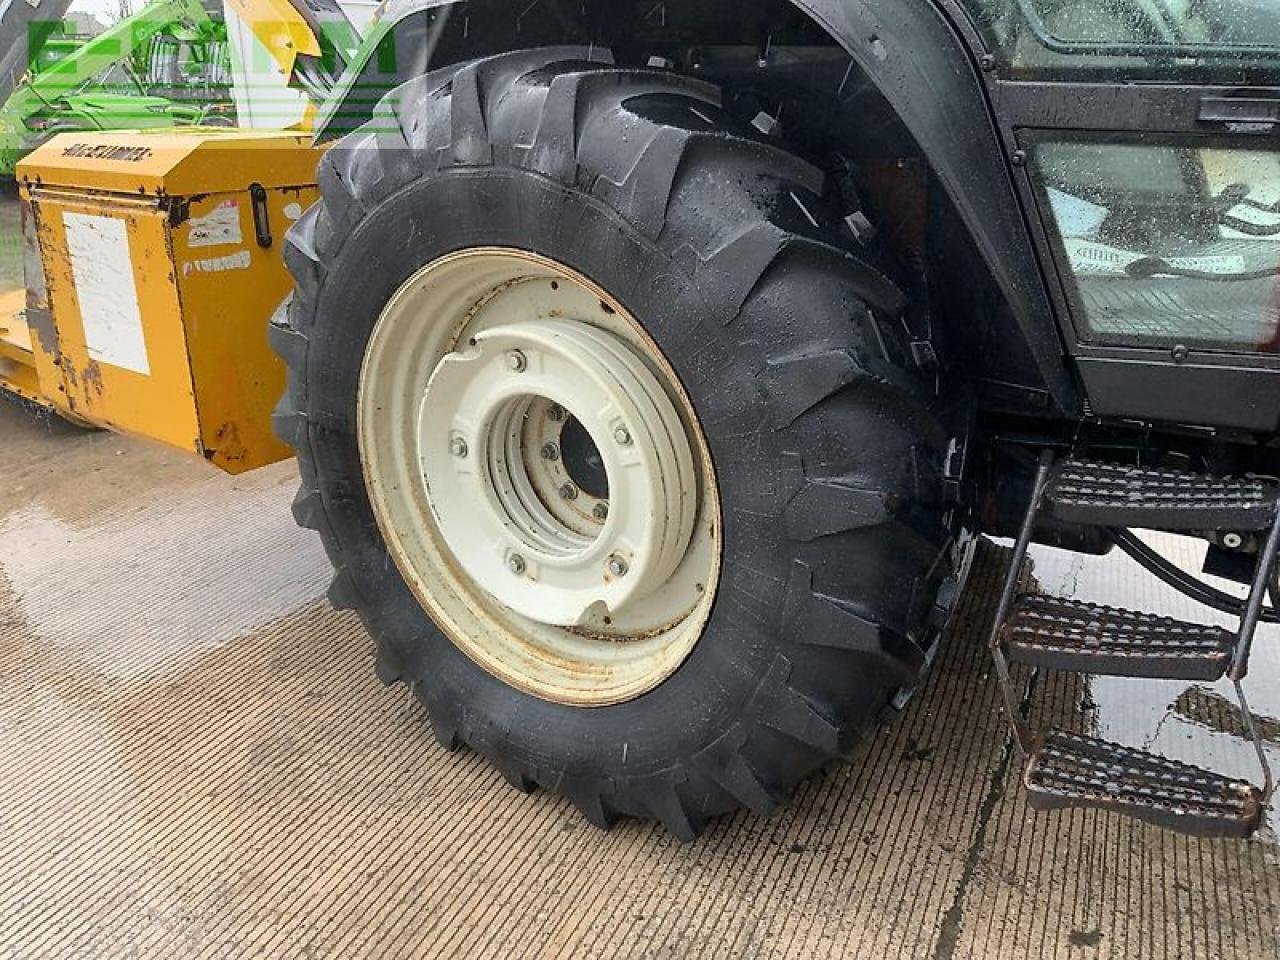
803	393
748	788
342	593
591	803
666	805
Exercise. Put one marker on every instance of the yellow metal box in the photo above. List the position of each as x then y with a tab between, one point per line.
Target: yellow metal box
162	263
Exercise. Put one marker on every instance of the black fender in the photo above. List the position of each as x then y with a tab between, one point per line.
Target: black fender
928	69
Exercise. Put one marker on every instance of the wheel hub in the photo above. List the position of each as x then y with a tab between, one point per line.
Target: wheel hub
509	497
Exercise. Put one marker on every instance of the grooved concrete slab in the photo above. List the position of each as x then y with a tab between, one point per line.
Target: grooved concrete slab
196	761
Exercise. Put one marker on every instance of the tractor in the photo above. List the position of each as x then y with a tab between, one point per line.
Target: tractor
653	370
172	64
652	366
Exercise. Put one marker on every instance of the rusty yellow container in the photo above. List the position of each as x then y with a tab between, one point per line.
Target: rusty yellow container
162	263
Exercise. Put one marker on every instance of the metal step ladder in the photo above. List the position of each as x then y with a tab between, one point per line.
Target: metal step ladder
1066	769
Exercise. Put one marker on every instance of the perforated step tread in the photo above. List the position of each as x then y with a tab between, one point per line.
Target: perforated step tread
1088	638
1073	770
1106	494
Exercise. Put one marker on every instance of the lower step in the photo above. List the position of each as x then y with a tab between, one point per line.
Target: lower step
1073	770
1071	635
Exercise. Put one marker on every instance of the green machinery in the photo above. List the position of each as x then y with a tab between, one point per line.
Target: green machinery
165	66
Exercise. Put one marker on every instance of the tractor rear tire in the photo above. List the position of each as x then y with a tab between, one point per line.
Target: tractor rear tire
778	338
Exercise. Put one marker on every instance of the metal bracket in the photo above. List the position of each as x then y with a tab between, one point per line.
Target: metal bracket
1026	738
1262	580
1266	579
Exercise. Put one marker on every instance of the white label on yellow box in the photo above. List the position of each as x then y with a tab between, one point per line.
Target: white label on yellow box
108	295
218	228
241	260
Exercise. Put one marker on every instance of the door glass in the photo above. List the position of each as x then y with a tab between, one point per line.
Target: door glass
1151	39
1166	246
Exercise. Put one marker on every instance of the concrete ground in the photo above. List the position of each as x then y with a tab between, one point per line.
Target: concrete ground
196	761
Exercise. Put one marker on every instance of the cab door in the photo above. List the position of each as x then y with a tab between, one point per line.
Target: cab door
1144	135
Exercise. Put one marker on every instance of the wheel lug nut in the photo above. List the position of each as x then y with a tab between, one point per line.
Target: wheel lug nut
555	412
550	451
617	566
517	362
458	447
600	511
569	492
623	436
516	564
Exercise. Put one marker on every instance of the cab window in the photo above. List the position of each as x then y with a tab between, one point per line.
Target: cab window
1165	245
1151	39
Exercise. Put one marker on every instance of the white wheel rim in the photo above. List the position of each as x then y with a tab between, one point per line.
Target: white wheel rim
539	476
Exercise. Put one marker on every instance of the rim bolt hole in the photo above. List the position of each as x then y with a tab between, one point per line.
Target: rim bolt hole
623	436
600	511
555	413
569	492
617	566
516	564
550	451
458	447
517	362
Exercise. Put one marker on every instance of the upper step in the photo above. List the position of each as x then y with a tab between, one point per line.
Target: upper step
1086	637
1110	495
1073	770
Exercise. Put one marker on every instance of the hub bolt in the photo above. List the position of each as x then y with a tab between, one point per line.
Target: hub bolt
555	412
623	436
458	447
600	511
517	362
516	564
617	566
550	451
569	492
